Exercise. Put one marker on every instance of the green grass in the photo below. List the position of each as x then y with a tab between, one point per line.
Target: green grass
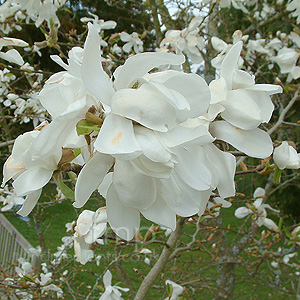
189	266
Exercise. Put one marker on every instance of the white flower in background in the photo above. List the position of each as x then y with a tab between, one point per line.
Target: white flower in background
25	269
29	170
12	55
266	12
223	48
246	105
187	41
176	289
154	157
89	227
99	24
294	6
259	210
111	292
287	59
116	49
10	199
132	41
286	258
286	157
237	4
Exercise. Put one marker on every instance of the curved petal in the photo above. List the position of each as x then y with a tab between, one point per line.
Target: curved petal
225	165
90	177
242	212
259	192
256	143
124	221
11	169
196	92
150	144
105	184
134	189
192	170
29	203
270	224
84	222
93	75
95	232
241	110
145	106
230	63
140	64
117	138
31	180
160	213
12	56
107	277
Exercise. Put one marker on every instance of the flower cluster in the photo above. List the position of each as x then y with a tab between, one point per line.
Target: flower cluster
145	137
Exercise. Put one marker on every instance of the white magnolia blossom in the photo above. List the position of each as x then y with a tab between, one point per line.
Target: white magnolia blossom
187	41
111	292
30	170
152	136
286	157
12	55
99	24
244	105
132	41
9	199
294	6
177	290
89	227
287	59
25	268
37	10
237	4
258	208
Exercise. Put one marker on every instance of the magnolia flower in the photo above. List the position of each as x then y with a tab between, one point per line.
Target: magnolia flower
133	41
294	5
286	157
287	59
246	105
153	137
12	55
30	170
176	290
10	200
25	269
186	41
89	227
259	210
111	292
99	24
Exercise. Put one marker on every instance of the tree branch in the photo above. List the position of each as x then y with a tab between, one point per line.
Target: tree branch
162	261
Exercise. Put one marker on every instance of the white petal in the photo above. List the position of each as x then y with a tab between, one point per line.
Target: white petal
185	136
196	92
138	65
107	277
218	44
105	184
242	80
270	224
255	143
95	232
93	75
84	222
90	177
123	220
150	144
242	212
12	56
134	189
191	169
22	143
8	41
82	251
225	165
31	180
241	110
270	89
160	213
117	138
11	169
259	192
229	64
144	106
29	203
